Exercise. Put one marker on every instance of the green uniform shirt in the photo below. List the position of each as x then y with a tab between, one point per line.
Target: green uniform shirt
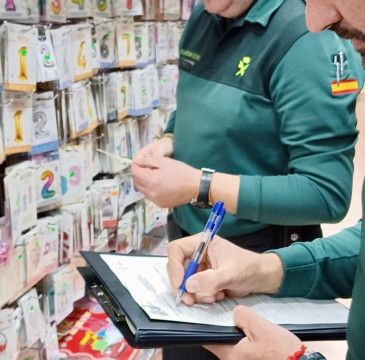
327	269
255	99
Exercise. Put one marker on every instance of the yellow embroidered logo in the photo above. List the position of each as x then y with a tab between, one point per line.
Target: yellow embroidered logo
243	65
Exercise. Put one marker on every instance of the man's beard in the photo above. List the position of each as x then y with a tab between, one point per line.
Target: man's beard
350	34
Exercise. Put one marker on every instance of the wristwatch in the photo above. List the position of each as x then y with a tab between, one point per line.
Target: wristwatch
312	356
202	201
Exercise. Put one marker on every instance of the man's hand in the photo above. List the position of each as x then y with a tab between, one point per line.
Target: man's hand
165	181
263	340
161	147
226	269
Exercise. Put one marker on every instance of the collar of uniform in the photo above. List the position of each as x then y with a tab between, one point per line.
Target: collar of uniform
259	13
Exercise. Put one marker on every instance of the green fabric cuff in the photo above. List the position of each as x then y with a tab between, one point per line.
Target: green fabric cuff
299	270
170	124
247	201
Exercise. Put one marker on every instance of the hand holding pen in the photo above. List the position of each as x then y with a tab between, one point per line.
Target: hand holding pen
211	228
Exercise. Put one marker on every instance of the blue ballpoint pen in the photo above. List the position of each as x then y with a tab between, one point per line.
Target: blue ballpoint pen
214	222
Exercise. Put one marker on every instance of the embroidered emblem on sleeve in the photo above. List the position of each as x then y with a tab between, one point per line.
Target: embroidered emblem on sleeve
345	87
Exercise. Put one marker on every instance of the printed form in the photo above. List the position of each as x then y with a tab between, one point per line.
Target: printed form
147	281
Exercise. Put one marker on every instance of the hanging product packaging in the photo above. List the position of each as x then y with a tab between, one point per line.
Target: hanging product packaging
126	43
62	42
92	166
172	9
16	272
73	182
33	319
141	39
151	42
155	84
10	320
47	69
173	36
106	35
169	76
105	194
161	42
13	9
116	143
79	8
54	11
17	118
95	51
20	193
122	93
103	8
148	10
82	113
133	137
48	238
132	7
141	92
33	256
98	89
187	7
63	296
111	97
48	181
45	132
20	69
81	51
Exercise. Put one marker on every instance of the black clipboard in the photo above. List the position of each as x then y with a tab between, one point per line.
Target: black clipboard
142	332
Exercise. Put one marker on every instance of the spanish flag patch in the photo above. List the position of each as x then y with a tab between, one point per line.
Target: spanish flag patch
345	87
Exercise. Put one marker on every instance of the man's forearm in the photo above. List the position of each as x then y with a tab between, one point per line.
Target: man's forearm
269	274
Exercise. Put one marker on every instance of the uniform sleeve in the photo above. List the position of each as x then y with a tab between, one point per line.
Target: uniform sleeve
318	130
323	268
170	124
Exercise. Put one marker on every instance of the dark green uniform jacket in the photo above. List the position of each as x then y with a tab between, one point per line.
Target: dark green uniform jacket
331	268
257	98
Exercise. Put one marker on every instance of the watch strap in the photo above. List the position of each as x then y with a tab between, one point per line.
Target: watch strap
203	197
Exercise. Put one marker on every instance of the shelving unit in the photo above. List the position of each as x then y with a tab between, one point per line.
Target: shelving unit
75	76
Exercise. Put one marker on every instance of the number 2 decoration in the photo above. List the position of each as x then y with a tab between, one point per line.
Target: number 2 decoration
46	193
45	52
40	121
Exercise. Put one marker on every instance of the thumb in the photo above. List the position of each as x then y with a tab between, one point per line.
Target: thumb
152	162
246	319
208	281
